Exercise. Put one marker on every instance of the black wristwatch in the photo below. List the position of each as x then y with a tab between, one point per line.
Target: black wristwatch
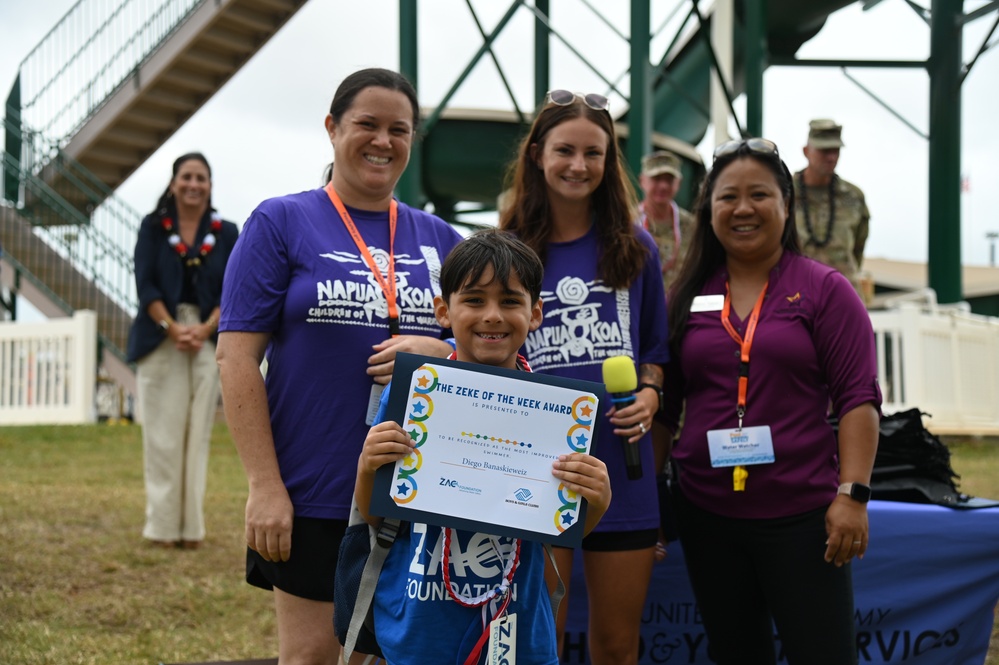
856	491
659	393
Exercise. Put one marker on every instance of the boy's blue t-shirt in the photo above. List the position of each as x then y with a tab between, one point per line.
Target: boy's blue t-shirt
418	623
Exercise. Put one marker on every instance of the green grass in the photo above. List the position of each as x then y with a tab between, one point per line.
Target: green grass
78	585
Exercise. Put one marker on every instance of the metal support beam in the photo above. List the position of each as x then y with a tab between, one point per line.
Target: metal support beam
542	45
756	64
791	61
722	49
487	44
944	260
640	111
410	188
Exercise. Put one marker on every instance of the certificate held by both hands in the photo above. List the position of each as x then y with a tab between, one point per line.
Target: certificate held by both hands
486	438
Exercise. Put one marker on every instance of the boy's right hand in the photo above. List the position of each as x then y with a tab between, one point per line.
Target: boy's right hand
387	442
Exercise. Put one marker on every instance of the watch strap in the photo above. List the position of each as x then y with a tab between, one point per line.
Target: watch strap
856	491
659	394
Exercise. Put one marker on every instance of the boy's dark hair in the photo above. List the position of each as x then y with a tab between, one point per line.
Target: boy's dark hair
499	249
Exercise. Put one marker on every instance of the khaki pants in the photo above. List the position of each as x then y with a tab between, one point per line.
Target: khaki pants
178	396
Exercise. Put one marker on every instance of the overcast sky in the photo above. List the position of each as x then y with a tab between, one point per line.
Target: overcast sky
263	132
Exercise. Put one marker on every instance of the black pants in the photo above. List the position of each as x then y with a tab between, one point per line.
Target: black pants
749	575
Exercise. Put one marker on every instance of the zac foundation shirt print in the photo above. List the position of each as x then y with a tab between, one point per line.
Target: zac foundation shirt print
302	279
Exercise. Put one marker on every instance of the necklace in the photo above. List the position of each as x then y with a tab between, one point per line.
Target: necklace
832	211
207	243
509	568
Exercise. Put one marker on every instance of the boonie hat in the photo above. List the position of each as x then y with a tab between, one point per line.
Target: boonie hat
660	162
824	133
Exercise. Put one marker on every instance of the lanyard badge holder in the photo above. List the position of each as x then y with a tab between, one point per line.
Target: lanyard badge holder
741	447
388	286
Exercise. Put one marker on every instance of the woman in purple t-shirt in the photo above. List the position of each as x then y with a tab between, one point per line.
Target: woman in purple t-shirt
330	284
770	503
603	296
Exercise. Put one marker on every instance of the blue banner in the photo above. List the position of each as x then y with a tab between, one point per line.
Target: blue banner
925	593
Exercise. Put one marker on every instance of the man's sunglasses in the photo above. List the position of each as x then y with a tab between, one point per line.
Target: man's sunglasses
567	97
755	145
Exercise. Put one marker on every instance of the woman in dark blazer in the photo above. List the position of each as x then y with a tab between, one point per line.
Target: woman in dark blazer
180	258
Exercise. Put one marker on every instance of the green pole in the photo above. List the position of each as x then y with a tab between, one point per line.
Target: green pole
640	111
944	261
13	132
542	45
756	64
409	189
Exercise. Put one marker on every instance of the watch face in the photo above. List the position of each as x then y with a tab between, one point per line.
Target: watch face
861	493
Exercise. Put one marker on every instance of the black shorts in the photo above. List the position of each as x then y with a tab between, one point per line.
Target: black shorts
309	573
620	541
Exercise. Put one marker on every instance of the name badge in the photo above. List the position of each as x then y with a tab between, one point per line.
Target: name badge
707	303
502	641
373	401
740	447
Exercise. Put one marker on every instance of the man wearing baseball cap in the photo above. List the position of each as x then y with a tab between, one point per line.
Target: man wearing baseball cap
670	225
831	213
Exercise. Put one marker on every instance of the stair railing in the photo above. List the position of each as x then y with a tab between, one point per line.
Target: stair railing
89	53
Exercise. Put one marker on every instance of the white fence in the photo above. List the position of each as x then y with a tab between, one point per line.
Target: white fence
48	371
943	361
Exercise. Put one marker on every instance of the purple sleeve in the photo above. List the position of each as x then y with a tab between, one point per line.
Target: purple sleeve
257	275
844	342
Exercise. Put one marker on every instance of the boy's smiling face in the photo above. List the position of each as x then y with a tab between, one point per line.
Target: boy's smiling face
490	323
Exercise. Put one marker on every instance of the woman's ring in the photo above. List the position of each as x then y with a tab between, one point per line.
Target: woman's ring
641	426
857	542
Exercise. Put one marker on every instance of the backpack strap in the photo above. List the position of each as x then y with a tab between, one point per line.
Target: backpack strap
558	594
382	539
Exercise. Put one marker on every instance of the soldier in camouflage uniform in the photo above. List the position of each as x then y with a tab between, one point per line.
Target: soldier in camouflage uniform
670	225
831	213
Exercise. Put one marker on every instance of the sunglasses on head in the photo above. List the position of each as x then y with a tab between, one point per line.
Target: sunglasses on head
567	97
755	145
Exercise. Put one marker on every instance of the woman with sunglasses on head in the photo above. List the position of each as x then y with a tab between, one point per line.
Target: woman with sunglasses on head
771	503
571	201
329	284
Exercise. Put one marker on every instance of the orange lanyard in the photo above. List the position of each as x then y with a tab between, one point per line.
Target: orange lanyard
744	344
388	287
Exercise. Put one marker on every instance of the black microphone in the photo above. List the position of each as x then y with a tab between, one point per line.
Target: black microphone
622	381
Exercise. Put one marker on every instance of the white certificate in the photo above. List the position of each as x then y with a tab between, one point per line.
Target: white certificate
485	442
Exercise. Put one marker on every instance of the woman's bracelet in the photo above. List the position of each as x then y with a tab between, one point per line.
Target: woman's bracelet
212	323
166	322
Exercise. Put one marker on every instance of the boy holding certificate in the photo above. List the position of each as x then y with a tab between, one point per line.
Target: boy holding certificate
449	595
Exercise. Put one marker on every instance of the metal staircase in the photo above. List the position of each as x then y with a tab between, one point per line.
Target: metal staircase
105	88
115	100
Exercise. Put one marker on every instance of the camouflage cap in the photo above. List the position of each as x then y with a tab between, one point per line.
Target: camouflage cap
824	133
660	162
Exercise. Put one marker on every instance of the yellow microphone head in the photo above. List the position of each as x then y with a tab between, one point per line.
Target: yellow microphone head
620	375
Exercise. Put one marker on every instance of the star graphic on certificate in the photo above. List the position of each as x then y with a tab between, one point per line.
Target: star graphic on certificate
402	489
414	433
586	410
408	461
568	518
418	407
423	381
581	440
